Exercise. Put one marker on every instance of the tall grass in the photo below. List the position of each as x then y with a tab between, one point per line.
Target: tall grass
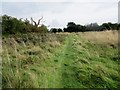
76	60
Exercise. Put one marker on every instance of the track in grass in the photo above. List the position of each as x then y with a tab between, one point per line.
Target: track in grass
59	61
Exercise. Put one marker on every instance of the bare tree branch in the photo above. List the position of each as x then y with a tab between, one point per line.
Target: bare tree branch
33	21
39	21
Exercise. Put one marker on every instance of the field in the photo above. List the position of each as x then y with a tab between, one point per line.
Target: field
61	60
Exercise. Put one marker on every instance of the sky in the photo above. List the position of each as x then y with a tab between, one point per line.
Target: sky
57	13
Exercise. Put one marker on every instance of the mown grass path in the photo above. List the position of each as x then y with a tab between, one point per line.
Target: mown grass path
79	67
63	72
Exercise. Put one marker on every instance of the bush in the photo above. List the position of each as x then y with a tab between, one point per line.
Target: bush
11	25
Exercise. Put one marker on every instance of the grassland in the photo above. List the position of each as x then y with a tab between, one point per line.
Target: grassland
63	60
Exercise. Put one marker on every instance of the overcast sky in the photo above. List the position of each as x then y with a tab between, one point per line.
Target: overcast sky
57	13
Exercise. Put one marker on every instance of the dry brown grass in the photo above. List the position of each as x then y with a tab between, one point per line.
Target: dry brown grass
107	37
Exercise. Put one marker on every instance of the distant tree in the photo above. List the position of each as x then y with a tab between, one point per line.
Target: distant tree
54	30
118	26
94	27
71	27
65	30
71	24
111	26
80	28
59	30
115	26
83	28
106	26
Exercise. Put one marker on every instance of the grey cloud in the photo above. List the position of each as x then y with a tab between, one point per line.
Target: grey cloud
17	8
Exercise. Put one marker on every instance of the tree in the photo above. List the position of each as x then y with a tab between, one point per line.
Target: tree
106	26
11	25
54	30
71	27
37	23
80	28
118	27
59	30
65	30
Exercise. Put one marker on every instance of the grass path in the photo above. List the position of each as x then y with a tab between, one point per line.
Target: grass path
71	68
63	72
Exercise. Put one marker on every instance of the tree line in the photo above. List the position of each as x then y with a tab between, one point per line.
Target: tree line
72	27
12	25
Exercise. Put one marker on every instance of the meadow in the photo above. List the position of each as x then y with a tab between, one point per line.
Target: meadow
61	60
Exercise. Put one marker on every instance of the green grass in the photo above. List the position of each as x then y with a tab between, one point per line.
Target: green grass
58	61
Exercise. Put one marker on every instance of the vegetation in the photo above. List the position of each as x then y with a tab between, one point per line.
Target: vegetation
78	59
54	30
11	25
72	27
48	60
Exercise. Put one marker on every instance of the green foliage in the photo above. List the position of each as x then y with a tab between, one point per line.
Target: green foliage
51	60
11	25
54	30
111	26
42	28
72	27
